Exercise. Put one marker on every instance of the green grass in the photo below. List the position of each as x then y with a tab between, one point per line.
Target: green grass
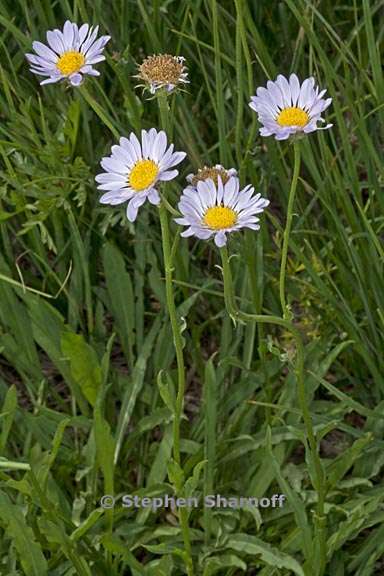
87	364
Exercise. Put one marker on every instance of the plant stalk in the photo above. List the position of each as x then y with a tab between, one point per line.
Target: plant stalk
319	480
177	339
288	226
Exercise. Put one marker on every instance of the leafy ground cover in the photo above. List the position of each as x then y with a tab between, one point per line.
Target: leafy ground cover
87	362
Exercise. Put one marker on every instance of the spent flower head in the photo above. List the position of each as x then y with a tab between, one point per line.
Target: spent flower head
212	173
70	54
216	209
285	107
163	71
134	169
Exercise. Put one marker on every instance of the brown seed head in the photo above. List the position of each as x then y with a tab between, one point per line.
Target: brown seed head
212	173
161	68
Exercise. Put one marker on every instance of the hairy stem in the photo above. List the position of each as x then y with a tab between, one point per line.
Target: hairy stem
319	480
177	339
288	226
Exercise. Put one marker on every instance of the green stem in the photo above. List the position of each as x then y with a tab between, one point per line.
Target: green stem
219	83
162	101
175	328
7	464
177	339
288	226
319	480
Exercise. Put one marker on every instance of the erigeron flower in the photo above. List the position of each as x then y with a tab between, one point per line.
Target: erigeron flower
211	172
163	71
71	54
285	108
217	209
135	168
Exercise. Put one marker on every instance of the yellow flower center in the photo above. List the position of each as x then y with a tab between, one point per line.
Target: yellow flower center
143	174
220	217
70	62
293	117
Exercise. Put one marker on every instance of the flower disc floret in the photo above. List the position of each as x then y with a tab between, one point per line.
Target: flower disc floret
216	209
293	116
285	107
143	174
70	62
220	217
135	168
70	54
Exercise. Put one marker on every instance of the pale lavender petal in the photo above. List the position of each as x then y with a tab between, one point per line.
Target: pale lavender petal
188	232
169	175
135	144
159	146
94	59
89	70
50	81
44	51
276	94
283	84
305	92
55	42
112	165
133	207
110	177
75	79
220	239
153	197
295	88
83	31
68	32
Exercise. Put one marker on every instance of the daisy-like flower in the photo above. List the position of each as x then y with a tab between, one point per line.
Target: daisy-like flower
218	209
71	54
211	172
135	168
285	108
163	71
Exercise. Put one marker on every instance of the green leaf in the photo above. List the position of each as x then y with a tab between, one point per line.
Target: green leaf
29	551
121	297
216	563
268	554
56	535
46	465
293	498
166	389
342	463
48	329
159	467
105	447
135	385
85	367
87	524
162	567
175	475
193	481
7	416
19	344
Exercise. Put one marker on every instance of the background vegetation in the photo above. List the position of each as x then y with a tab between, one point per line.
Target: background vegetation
85	344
